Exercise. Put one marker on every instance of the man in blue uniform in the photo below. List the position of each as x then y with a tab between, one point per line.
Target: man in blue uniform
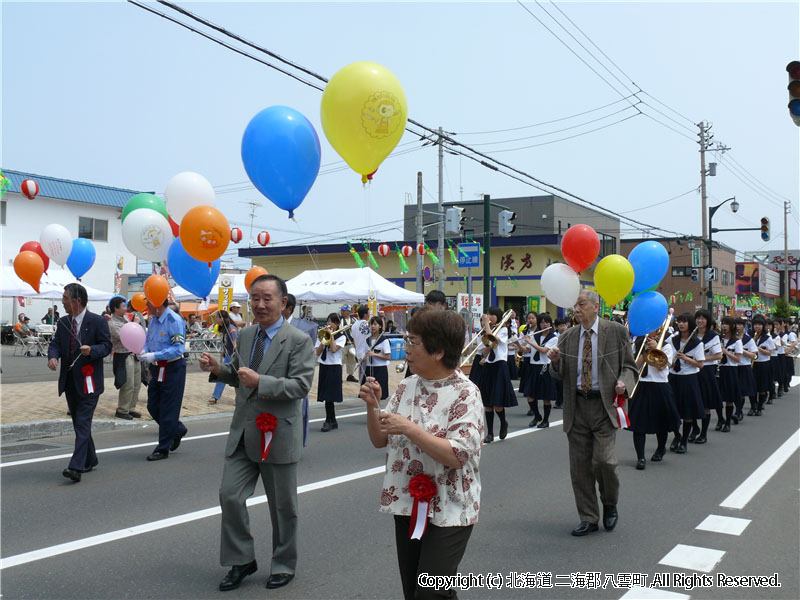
163	351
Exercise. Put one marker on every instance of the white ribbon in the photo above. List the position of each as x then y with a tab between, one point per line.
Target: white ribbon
422	520
89	385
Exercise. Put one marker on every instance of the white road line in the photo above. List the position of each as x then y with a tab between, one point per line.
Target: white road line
693	558
727	525
111	536
643	593
758	478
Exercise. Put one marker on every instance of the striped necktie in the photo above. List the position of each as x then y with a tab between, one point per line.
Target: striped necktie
258	351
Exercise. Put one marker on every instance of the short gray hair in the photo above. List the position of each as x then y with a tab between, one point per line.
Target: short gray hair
590	295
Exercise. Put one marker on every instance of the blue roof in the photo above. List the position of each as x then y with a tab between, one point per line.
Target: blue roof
76	191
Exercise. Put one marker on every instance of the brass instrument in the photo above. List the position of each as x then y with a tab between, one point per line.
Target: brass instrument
400	367
655	357
325	335
683	345
520	355
487	339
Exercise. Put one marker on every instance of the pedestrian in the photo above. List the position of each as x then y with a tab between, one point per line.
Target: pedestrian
728	375
126	367
685	379
747	381
229	334
436	299
309	328
375	356
329	381
163	352
709	388
235	313
359	332
497	393
761	370
48	318
598	363
81	341
266	434
540	385
432	430
349	353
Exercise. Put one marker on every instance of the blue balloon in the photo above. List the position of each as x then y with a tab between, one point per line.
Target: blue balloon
647	312
191	274
81	257
280	152
650	262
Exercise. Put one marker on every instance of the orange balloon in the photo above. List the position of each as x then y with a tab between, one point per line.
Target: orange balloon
29	267
139	301
205	233
251	276
156	289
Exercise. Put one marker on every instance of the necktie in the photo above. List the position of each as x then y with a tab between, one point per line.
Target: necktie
491	355
258	351
645	371
586	365
324	353
73	339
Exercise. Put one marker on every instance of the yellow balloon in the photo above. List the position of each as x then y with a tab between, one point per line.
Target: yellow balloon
364	114
613	278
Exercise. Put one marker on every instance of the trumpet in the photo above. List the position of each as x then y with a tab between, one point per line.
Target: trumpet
656	356
325	335
488	339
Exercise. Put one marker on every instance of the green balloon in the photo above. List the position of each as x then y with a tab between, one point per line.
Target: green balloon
145	201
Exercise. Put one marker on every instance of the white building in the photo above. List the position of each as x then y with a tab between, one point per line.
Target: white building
87	210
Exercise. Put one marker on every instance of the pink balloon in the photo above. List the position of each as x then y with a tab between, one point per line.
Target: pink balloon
132	336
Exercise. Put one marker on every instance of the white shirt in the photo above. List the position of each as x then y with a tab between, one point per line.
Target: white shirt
581	342
778	345
79	321
750	346
512	340
332	358
695	353
548	343
501	350
713	346
656	375
736	348
768	344
383	348
360	332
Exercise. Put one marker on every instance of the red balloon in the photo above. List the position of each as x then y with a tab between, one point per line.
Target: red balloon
580	247
36	247
176	229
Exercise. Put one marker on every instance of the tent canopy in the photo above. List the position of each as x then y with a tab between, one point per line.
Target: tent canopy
239	290
335	285
51	286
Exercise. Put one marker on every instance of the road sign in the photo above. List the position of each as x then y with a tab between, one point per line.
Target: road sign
426	273
469	255
225	297
695	257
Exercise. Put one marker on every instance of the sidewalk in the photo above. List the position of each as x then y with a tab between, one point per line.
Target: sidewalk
34	410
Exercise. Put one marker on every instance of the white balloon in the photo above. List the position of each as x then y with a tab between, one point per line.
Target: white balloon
561	285
147	234
56	242
185	191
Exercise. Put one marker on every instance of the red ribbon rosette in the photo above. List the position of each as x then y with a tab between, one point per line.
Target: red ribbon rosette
422	489
622	417
266	424
88	384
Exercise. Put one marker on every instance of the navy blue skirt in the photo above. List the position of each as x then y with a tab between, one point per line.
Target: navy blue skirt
329	383
729	384
653	409
747	381
686	391
762	375
776	368
540	384
788	368
513	372
709	390
524	369
495	385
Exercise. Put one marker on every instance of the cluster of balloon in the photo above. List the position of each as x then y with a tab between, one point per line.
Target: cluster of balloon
263	238
190	273
560	283
145	227
364	113
29	188
77	255
649	308
252	275
281	155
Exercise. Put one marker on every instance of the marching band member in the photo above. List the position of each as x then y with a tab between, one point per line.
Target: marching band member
728	374
789	341
774	362
747	381
709	390
329	380
763	341
495	383
540	384
375	357
531	325
684	378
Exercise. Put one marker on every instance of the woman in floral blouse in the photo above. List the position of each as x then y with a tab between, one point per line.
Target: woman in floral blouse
432	429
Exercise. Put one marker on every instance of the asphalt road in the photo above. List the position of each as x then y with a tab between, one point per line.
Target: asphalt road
347	547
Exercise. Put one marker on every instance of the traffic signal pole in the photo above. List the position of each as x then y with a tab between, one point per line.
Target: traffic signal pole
487	249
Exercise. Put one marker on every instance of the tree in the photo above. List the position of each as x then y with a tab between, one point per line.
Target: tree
781	309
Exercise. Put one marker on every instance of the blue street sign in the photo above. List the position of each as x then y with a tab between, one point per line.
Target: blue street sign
426	273
469	255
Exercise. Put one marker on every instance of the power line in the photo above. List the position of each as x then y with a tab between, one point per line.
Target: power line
662	202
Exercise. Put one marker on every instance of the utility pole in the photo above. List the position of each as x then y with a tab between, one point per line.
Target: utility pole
440	250
420	239
704	139
487	251
786	207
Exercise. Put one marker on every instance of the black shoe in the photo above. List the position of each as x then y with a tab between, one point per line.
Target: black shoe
757	413
530	412
658	456
675	443
769	400
72	474
235	576
135	415
719	426
693	435
726	428
681	448
503	430
122	415
543	425
559	405
701	439
177	441
610	516
488	439
277	580
583	528
640	464
779	394
786	389
158	455
534	421
326	427
351	378
751	412
735	418
739	418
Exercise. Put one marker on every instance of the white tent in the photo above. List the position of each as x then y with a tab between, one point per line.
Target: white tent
51	286
334	285
239	291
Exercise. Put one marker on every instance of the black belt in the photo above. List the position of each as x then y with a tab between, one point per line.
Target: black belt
591	395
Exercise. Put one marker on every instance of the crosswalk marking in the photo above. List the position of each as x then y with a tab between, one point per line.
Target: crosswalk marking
694	558
720	524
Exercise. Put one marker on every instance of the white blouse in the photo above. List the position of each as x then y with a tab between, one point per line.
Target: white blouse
713	346
767	344
736	348
549	343
656	375
695	353
777	346
501	350
449	408
383	348
332	358
750	346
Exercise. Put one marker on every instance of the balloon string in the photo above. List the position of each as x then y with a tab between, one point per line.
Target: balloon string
236	346
308	248
77	339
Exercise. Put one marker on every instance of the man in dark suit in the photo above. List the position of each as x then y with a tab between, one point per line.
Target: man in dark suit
281	366
597	364
81	341
310	328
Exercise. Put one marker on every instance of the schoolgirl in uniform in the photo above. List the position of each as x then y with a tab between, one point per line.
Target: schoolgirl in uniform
761	368
684	378
376	358
531	325
561	327
329	380
652	407
709	390
511	359
775	363
495	384
728	373
540	384
747	381
789	341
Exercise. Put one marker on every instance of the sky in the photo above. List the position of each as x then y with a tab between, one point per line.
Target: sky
109	93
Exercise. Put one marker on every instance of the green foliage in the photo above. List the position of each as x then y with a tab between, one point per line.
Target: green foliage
781	309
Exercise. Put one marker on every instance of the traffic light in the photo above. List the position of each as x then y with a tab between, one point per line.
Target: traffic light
454	220
793	68
765	229
695	274
505	225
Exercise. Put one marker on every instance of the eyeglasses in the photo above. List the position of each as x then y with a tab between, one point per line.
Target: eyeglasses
409	343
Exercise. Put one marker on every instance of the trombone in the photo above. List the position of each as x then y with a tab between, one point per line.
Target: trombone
325	335
488	339
654	356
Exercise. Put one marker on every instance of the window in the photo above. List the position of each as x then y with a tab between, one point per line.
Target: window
93	229
681	271
2	212
608	244
724	277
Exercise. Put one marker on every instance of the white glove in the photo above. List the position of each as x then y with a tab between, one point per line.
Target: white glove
147	357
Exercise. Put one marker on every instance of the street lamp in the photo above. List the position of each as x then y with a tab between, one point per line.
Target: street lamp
711	211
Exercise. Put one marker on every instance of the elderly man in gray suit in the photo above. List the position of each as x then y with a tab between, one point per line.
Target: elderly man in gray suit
309	328
597	364
280	361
